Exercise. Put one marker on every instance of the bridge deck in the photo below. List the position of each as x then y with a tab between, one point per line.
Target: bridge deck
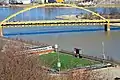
54	22
59	22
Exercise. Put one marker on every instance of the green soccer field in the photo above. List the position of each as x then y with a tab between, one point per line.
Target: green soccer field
67	61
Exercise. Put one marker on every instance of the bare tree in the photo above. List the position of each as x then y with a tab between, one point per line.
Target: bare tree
14	66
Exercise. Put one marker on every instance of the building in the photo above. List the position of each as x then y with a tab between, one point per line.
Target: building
51	1
41	1
26	1
4	1
20	1
59	1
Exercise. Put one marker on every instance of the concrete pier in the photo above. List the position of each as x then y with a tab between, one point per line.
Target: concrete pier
107	27
1	32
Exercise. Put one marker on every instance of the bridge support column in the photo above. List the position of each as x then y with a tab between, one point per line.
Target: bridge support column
1	32
107	27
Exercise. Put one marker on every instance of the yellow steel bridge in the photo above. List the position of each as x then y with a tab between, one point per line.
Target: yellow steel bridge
6	22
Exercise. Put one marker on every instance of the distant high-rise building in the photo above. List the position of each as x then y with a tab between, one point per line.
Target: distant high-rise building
59	1
88	0
51	1
41	1
20	1
26	1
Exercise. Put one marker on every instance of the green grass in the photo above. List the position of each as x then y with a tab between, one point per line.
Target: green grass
67	61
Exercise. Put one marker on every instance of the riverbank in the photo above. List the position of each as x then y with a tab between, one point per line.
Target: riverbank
115	24
17	6
25	43
112	18
30	5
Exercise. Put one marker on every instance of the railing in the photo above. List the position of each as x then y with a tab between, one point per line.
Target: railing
113	62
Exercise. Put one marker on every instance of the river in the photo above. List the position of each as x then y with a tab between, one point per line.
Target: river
88	38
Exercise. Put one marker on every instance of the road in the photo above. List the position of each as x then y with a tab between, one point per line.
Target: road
109	73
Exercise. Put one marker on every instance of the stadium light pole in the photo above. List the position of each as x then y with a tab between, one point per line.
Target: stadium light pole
103	52
58	63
